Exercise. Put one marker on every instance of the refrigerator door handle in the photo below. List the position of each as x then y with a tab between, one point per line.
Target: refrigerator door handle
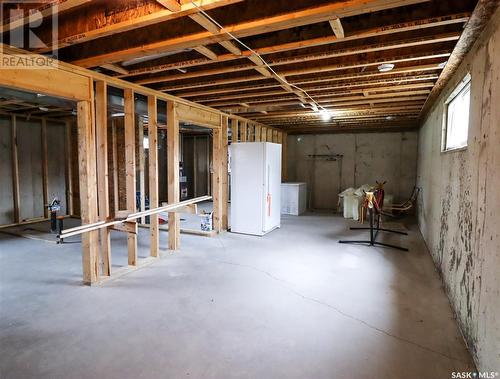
269	196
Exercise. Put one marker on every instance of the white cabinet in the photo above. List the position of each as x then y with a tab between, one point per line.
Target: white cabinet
255	187
293	198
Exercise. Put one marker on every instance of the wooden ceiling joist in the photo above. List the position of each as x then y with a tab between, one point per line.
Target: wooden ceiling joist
345	91
171	5
459	18
323	69
448	37
47	10
206	52
280	61
337	28
115	68
79	35
265	25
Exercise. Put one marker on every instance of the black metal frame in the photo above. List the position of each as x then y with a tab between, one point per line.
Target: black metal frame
374	232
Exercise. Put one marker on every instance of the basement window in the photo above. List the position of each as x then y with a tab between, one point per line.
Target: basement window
456	117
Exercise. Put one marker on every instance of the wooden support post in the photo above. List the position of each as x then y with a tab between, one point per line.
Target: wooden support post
153	175
69	169
116	201
45	169
224	174
251	132
15	172
284	153
216	178
243	131
234	130
101	110
269	137
173	174
258	135
130	169
275	136
263	134
142	177
280	137
88	189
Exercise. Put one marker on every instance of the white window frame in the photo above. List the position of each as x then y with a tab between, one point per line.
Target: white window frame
464	85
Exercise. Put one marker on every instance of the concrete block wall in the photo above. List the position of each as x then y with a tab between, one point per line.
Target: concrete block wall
459	206
367	157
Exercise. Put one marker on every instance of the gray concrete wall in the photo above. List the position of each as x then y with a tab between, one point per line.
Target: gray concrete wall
29	148
459	205
6	192
367	157
56	163
29	143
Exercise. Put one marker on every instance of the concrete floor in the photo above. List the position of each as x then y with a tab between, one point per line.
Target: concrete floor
294	304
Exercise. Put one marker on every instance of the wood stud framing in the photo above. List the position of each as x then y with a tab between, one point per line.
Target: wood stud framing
130	171
153	174
173	173
101	117
88	189
92	148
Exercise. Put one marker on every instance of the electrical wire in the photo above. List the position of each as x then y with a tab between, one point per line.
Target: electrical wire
279	77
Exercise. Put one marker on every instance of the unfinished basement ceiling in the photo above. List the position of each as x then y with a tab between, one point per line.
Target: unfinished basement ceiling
333	50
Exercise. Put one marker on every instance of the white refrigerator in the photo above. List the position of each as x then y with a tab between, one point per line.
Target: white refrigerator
255	187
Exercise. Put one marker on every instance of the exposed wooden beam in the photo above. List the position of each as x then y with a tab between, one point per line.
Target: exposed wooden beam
374	86
205	23
313	70
327	97
327	104
264	25
206	52
263	71
337	28
311	86
47	10
231	47
379	31
115	68
171	5
130	23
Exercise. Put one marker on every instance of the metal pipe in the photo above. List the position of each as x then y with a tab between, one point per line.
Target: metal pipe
102	224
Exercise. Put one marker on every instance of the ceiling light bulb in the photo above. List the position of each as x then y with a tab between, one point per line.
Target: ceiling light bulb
325	115
384	67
